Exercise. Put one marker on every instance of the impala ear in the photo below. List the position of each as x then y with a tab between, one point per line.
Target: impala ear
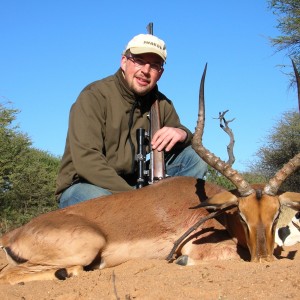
290	199
219	201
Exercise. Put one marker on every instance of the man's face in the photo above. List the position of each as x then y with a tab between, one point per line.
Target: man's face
142	71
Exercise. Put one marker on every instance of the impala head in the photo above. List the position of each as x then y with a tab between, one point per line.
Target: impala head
258	207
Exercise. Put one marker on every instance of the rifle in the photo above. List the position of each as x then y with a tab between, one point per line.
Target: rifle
141	158
157	162
156	170
150	28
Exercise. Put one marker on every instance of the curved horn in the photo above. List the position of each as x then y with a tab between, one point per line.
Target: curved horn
225	169
289	168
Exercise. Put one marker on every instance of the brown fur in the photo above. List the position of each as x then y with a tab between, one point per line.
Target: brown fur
107	231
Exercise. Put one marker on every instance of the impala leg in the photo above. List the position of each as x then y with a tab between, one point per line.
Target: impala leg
27	272
212	245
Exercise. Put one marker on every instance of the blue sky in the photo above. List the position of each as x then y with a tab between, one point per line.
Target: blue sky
50	50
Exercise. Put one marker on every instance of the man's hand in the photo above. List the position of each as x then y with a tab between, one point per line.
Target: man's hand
166	137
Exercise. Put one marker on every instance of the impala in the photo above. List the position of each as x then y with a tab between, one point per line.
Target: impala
145	223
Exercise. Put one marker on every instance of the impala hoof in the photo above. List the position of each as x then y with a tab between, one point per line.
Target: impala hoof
182	260
61	274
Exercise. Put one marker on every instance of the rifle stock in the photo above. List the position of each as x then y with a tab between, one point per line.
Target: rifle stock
157	161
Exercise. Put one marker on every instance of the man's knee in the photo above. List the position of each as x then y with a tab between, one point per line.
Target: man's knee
198	167
187	163
80	192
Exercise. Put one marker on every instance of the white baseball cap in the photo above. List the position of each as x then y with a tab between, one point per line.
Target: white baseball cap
147	43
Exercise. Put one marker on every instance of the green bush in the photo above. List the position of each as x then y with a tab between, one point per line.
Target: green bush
27	175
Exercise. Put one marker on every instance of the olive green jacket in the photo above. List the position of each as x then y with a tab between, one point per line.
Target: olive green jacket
101	141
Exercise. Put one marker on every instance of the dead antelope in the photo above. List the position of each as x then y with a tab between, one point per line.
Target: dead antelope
145	223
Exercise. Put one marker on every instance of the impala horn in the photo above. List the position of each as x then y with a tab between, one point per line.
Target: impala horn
211	159
288	169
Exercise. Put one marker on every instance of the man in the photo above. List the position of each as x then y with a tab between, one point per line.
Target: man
99	157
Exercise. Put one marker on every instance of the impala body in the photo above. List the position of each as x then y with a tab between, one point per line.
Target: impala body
105	232
145	223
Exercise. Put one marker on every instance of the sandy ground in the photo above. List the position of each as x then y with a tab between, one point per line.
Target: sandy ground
157	279
154	279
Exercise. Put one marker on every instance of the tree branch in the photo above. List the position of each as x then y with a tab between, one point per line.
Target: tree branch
297	76
225	127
